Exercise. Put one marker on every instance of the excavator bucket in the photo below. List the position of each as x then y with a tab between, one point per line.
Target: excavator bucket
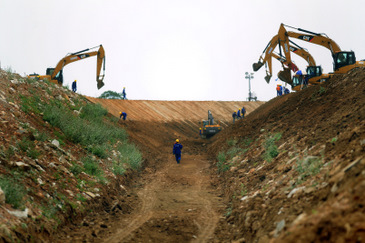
285	76
267	78
100	84
257	66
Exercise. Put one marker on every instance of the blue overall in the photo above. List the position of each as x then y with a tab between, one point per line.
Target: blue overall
177	152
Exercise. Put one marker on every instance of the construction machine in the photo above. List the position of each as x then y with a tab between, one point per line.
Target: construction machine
313	74
343	61
55	75
286	61
208	127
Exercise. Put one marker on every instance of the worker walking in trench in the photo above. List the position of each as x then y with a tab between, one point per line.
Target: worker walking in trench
177	150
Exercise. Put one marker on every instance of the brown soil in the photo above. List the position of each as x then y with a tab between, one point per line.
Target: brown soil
310	191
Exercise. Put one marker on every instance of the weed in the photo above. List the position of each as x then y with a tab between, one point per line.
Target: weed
24	144
30	104
247	141
33	153
221	164
41	136
99	150
234	151
91	166
130	155
76	169
118	168
10	73
333	140
243	191
308	166
81	198
271	150
228	212
14	192
322	90
231	142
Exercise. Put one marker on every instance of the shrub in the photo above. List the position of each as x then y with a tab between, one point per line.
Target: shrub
221	164
231	142
76	169
111	95
14	193
93	112
91	166
271	150
130	155
118	168
99	150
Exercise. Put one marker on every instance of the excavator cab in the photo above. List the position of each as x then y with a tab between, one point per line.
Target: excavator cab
314	71
58	78
343	58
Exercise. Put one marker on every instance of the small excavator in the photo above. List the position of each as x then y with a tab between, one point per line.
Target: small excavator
55	75
208	128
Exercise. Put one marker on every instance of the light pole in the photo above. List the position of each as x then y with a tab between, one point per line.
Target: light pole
249	76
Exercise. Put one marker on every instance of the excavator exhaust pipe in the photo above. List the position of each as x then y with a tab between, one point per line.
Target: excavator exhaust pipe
285	76
257	66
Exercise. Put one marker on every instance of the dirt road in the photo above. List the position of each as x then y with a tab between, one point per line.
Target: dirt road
174	203
177	205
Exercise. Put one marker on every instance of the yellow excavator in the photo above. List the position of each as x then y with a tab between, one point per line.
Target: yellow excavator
287	64
55	75
209	127
286	61
343	61
313	74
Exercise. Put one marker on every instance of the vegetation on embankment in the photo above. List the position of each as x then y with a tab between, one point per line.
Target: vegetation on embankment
294	169
59	153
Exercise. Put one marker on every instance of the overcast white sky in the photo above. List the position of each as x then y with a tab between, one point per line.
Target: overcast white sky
170	49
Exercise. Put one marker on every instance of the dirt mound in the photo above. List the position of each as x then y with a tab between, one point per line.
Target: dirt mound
309	190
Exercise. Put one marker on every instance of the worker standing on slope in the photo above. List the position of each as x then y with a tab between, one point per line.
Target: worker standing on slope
124	95
74	88
279	90
238	114
234	115
243	112
177	150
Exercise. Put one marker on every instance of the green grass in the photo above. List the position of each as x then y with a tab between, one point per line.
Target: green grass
222	164
91	166
307	167
14	191
130	155
271	150
118	168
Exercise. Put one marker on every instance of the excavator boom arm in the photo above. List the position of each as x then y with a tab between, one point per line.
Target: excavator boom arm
73	57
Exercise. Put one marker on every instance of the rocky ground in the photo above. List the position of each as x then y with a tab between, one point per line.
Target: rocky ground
291	171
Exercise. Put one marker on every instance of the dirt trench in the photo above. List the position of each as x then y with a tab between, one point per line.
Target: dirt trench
169	202
166	202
